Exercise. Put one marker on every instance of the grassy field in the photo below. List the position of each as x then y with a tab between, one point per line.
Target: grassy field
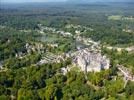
115	17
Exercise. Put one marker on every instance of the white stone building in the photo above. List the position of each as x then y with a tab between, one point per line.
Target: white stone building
88	61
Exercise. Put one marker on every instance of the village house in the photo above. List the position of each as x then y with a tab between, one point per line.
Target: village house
64	33
1	66
53	45
64	70
126	72
130	49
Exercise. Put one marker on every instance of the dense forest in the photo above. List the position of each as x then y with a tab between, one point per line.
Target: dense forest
21	78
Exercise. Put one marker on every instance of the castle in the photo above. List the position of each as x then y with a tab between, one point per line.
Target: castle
89	62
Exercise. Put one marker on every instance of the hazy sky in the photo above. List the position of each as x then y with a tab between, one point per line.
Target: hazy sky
61	0
31	0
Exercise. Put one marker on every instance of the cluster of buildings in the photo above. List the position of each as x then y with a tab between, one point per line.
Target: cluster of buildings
126	72
78	27
119	49
128	18
89	61
94	46
54	45
64	33
84	58
29	48
34	47
46	28
53	30
51	58
128	30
